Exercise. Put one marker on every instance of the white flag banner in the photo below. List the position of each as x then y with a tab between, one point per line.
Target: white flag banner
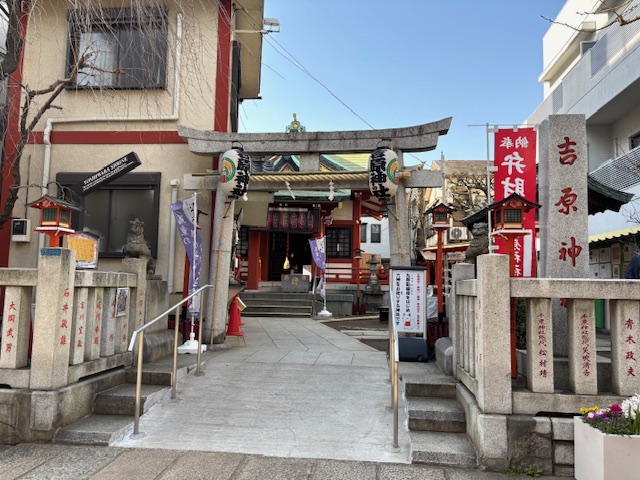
321	287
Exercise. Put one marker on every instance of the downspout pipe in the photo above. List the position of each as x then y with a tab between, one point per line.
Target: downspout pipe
175	183
174	116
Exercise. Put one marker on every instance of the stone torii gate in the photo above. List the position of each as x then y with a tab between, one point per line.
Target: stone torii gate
309	146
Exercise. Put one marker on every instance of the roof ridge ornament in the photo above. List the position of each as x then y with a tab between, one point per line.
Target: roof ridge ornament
295	126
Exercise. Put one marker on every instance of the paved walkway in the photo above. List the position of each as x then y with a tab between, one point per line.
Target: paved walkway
288	388
292	399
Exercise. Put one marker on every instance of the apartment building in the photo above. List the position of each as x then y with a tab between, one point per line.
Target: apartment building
591	66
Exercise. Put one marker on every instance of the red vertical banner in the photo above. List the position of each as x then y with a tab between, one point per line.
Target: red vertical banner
515	160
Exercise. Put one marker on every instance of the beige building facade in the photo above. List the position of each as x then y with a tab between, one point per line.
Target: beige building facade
153	66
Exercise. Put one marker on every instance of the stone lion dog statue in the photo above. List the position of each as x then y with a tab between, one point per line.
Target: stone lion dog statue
137	246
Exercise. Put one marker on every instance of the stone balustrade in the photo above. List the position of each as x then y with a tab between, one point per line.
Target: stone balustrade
480	322
60	325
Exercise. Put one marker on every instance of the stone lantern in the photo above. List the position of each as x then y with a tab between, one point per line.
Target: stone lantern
373	286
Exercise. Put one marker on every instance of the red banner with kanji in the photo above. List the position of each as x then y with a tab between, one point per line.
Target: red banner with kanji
515	160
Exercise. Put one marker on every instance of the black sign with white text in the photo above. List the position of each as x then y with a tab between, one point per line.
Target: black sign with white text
109	173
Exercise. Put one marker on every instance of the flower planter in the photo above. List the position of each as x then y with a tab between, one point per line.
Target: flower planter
598	456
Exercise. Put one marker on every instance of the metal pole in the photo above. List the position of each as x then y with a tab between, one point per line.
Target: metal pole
195	260
200	326
175	355
136	422
488	186
395	403
391	349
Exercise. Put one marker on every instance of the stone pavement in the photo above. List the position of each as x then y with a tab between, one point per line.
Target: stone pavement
69	462
292	399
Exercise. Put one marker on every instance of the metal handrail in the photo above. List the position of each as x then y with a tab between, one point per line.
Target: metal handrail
394	359
141	330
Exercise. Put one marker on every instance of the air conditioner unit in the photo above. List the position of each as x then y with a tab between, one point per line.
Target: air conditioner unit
457	234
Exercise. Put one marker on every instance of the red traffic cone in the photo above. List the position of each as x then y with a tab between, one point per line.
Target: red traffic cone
233	329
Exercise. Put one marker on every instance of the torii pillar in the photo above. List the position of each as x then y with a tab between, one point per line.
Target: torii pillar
309	145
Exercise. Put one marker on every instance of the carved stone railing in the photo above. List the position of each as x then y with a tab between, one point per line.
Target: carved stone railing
60	325
479	315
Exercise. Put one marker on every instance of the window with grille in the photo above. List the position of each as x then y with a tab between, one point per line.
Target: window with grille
376	233
50	214
338	243
634	141
242	248
124	48
512	215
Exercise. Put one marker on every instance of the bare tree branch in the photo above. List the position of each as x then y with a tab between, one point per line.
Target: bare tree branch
621	16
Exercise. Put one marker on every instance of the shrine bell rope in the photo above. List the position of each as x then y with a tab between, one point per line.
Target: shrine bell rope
308	176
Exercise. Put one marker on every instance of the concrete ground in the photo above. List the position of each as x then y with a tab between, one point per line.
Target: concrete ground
289	388
291	399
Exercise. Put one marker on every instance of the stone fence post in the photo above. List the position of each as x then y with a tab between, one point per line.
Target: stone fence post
52	326
459	271
137	299
493	362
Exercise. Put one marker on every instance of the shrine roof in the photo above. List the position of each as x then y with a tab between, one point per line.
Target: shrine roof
625	232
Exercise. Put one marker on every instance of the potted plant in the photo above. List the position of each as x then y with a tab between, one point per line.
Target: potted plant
607	441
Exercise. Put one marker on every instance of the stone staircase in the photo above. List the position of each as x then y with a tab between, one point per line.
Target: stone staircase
277	304
114	409
437	423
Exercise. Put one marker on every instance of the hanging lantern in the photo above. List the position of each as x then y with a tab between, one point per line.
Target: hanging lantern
235	170
383	173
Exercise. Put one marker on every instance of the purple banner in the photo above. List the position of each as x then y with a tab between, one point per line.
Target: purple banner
318	252
184	213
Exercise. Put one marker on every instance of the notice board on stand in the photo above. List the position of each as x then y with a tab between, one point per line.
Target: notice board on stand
409	290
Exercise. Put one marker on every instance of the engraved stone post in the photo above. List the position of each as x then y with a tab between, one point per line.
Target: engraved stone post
52	325
563	193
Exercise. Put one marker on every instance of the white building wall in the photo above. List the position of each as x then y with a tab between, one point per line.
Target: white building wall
383	248
599	145
602	84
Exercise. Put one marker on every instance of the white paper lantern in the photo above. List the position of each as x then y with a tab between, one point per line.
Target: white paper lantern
384	173
235	172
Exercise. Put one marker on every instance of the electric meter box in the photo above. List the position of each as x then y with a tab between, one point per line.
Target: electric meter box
20	230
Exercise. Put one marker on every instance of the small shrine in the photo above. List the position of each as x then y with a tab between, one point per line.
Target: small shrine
441	214
55	218
508	213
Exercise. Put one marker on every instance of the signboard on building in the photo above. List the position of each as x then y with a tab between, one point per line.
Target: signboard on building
515	160
294	220
109	173
409	291
86	246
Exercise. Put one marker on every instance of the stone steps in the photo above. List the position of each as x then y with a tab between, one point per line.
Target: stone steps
435	415
437	422
114	409
121	400
95	429
442	448
277	304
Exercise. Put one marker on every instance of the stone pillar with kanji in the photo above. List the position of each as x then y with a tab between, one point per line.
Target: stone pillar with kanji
563	194
52	328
